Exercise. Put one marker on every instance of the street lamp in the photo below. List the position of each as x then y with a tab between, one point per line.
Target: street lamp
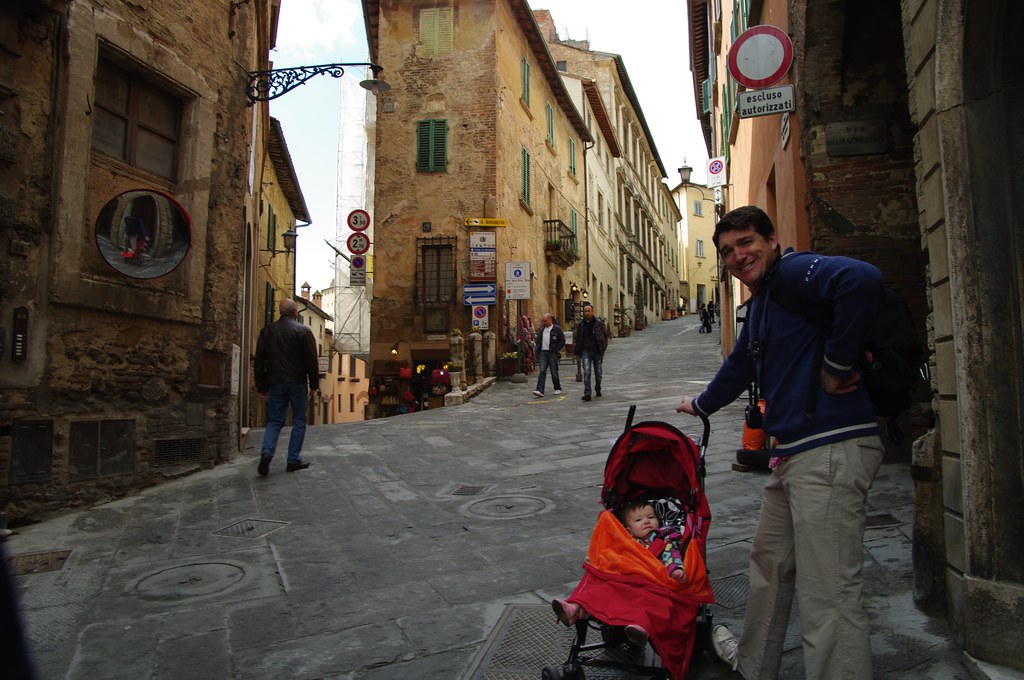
271	84
287	240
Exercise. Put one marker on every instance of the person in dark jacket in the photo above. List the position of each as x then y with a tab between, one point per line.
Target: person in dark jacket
550	341
810	533
589	343
286	358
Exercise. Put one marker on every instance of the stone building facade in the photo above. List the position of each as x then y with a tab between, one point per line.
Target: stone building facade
501	140
901	152
112	380
646	217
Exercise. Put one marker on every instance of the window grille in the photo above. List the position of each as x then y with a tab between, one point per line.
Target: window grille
435	270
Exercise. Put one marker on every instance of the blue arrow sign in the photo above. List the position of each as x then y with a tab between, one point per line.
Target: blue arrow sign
480	294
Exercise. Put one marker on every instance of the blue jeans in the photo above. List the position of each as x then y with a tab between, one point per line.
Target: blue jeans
546	360
591	361
280	396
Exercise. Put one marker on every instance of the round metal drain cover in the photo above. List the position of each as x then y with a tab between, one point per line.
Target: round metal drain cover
508	507
190	580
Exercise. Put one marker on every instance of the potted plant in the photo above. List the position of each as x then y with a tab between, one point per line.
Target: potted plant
509	362
552	245
455	370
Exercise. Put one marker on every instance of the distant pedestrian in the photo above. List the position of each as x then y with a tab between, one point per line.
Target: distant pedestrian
286	357
589	343
705	319
550	342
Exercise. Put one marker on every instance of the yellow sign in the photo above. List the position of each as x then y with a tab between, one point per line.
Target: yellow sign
484	222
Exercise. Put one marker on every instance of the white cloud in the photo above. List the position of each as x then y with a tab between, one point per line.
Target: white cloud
316	29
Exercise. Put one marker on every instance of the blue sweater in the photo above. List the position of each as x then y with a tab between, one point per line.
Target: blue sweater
789	347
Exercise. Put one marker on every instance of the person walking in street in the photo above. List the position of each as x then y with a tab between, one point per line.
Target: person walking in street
810	532
590	342
286	358
705	320
550	342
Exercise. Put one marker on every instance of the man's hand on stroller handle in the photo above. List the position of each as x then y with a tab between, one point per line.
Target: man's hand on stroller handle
686	406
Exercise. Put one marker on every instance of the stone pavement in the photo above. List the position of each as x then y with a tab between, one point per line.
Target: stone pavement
395	555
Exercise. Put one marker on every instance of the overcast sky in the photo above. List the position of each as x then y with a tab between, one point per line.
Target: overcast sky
653	44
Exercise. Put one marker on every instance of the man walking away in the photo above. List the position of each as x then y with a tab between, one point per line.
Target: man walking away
286	357
590	342
810	533
550	342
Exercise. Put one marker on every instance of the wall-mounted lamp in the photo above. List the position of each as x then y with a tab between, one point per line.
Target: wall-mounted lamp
394	350
288	241
585	294
271	84
574	288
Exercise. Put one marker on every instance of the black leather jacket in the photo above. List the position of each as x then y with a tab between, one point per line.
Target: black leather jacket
286	353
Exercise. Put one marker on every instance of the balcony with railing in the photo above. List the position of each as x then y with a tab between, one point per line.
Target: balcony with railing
560	244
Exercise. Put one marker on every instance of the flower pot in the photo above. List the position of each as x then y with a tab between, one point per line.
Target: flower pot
509	367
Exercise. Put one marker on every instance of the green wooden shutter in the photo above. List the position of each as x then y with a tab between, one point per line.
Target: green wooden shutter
268	304
551	124
572	156
525	95
705	95
526	177
431	145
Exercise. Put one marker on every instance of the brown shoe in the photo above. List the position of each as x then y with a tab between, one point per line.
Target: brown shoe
298	465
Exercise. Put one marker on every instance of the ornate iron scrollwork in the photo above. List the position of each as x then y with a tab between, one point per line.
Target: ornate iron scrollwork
267	85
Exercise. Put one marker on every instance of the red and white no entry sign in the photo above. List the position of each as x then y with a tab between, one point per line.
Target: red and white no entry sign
761	56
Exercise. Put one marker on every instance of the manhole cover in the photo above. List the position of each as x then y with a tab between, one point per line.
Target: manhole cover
508	507
250	528
190	580
37	563
731	591
467	489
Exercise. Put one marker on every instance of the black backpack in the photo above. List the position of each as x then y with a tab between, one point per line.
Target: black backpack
892	361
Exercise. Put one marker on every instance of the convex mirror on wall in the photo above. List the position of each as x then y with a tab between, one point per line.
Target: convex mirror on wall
143	234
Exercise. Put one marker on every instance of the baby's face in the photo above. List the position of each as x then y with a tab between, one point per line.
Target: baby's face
641	521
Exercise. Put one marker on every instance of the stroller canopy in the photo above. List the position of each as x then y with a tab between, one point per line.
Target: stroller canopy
654	460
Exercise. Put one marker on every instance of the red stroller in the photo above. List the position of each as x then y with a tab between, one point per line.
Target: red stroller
625	584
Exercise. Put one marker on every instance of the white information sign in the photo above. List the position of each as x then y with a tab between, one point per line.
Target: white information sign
766	102
517	280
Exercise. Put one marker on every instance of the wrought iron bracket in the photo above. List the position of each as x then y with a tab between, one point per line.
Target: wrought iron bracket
266	85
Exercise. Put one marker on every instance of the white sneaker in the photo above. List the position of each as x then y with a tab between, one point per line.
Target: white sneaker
538	393
726	646
558	391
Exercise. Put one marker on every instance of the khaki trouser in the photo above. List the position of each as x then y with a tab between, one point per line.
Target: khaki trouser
810	536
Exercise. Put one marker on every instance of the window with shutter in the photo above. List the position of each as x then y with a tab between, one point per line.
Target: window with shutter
436	29
572	156
525	189
705	96
525	94
551	124
432	145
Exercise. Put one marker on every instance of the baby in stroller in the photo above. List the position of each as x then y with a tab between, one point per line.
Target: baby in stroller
643	524
645	570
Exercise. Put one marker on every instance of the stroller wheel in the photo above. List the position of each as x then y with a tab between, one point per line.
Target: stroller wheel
550	673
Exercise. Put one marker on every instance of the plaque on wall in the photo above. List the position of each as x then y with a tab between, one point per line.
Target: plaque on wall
855	138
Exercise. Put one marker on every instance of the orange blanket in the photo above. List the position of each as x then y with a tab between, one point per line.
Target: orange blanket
613	551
